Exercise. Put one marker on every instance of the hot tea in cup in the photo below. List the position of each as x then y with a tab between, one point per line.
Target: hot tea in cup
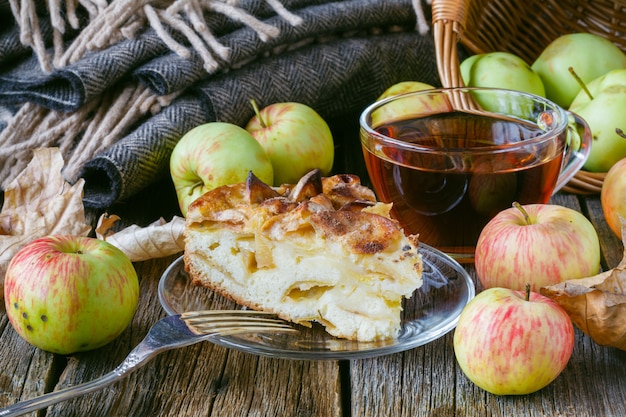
450	159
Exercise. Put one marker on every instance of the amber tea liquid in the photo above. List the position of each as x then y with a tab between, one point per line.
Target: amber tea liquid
448	198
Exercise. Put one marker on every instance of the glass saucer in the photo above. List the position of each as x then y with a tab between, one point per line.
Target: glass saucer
431	312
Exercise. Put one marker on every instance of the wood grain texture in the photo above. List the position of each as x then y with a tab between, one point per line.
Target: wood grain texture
426	381
210	380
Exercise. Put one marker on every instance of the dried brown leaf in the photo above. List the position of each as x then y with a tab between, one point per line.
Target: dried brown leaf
39	202
156	240
597	304
105	225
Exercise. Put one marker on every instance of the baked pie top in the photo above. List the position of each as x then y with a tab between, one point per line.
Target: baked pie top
320	250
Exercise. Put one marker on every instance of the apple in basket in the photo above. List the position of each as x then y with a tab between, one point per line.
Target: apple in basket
296	139
536	244
501	70
404	87
215	154
589	55
613	196
407	105
513	342
603	106
66	294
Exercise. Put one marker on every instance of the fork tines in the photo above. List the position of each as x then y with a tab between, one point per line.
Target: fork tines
225	322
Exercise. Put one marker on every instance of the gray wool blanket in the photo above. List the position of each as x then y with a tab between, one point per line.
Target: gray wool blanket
338	59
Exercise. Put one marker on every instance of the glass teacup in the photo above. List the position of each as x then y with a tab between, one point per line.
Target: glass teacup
450	159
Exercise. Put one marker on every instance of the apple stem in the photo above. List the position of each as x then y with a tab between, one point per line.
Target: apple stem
527	292
194	186
524	212
580	82
620	132
258	113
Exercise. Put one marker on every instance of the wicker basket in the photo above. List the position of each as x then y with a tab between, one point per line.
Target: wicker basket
525	28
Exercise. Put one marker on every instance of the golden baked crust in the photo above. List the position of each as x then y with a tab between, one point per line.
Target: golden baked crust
320	250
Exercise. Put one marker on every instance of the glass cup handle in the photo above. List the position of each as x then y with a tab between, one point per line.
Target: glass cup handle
577	149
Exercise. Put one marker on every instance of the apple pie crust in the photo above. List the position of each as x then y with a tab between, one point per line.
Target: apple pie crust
322	250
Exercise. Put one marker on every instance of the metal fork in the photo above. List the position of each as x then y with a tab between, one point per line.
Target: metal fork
168	333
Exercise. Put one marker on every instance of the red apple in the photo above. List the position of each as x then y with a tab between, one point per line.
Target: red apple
540	244
66	294
613	196
513	342
296	139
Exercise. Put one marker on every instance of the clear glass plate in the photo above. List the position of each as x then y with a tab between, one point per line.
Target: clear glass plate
431	312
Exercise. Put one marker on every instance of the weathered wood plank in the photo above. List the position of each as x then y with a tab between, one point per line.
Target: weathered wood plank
427	381
611	246
210	380
204	379
25	371
253	386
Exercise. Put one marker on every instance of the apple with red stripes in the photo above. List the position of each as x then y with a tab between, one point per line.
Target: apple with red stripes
613	197
66	294
296	139
536	244
513	342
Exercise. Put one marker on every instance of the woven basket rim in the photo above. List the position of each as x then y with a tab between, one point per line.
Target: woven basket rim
452	24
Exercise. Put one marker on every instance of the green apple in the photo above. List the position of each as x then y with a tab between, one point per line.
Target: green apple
67	294
501	70
589	55
466	66
296	139
215	154
604	112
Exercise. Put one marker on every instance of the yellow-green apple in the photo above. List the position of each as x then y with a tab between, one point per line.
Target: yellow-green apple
67	294
511	342
403	87
604	112
398	107
539	244
296	139
215	154
613	196
589	55
407	100
491	193
501	70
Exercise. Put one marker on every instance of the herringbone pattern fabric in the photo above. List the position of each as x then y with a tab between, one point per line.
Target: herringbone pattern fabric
339	60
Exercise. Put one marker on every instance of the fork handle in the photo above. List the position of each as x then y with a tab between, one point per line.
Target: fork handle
54	397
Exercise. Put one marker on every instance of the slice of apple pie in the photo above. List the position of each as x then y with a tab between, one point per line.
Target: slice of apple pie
322	250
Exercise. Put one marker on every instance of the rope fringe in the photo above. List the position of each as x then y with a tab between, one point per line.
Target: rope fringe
422	26
79	135
101	122
110	23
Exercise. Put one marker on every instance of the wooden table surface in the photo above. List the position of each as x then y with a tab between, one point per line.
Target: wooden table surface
210	380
